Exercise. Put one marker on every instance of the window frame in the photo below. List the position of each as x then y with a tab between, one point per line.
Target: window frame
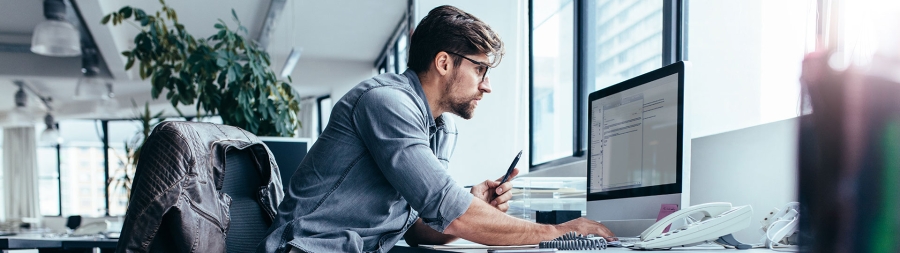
674	48
104	125
104	132
321	123
390	49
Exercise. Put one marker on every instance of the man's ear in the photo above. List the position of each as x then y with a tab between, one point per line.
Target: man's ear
442	63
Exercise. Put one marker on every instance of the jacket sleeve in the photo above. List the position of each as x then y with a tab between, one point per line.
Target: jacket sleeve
163	162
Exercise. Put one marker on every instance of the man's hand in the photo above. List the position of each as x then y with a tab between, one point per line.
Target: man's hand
586	227
493	193
483	224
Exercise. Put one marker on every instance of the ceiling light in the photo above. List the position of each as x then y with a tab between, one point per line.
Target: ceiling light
21	98
50	135
291	62
107	108
19	116
55	36
91	86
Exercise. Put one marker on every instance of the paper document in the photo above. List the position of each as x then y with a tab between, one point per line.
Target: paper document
465	244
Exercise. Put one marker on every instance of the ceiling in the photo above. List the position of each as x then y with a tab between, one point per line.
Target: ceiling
352	32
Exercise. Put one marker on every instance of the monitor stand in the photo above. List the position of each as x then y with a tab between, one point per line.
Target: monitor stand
628	217
628	228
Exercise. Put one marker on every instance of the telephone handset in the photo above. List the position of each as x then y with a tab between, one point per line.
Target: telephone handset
719	219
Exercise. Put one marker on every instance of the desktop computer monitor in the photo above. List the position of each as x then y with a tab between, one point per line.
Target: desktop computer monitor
639	152
288	153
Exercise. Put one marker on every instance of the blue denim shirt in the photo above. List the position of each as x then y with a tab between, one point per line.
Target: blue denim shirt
379	165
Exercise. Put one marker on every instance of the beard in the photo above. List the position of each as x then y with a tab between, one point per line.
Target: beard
457	103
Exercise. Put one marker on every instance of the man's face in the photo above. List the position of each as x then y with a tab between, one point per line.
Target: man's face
466	86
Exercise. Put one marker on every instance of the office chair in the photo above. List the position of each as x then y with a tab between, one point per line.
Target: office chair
248	223
201	186
72	223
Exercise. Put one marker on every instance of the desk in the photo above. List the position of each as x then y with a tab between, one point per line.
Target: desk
69	245
715	249
28	243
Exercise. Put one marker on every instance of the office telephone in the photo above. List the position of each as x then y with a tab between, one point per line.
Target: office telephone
719	220
780	224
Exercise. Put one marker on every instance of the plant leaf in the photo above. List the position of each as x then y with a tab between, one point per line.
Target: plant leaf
225	73
126	12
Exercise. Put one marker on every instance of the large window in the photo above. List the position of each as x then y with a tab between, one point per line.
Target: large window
84	174
2	198
48	178
553	79
122	133
48	174
580	46
395	55
624	40
82	168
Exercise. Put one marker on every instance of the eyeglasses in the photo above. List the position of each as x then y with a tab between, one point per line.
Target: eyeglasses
483	67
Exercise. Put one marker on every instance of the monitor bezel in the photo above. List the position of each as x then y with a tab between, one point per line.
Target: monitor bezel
675	68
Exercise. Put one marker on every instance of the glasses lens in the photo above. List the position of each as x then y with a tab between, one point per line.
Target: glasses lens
481	64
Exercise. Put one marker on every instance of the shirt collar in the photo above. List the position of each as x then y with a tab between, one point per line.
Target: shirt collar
417	85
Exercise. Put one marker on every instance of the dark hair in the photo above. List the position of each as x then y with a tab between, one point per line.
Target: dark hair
449	29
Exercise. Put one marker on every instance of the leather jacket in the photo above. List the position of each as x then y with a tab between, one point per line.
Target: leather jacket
176	201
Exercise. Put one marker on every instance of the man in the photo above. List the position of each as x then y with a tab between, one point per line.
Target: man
378	171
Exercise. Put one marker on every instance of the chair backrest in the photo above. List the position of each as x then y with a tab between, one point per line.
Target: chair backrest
73	222
242	182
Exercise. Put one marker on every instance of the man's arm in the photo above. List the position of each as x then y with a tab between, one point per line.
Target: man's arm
484	224
420	233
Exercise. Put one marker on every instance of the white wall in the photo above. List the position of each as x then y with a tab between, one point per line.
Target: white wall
489	141
746	61
342	83
726	64
318	77
761	171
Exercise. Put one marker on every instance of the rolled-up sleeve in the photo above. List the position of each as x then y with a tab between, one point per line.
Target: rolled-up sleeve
395	131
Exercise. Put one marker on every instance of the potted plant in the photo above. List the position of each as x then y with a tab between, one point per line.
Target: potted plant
121	178
224	74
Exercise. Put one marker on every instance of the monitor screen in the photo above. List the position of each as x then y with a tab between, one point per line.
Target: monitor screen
635	135
288	153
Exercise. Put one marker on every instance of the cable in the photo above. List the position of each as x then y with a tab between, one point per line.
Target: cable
769	241
574	241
